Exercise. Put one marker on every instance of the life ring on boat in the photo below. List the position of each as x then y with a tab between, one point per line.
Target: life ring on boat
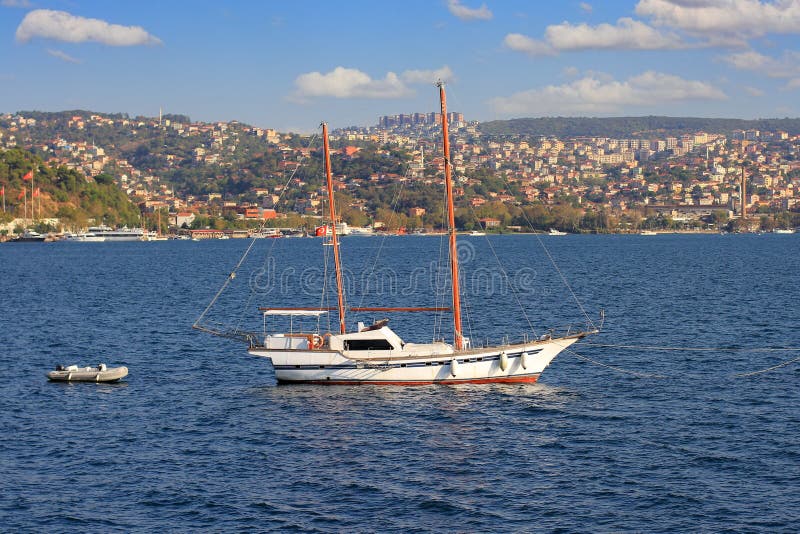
315	341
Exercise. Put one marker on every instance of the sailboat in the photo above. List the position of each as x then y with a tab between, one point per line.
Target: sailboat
375	354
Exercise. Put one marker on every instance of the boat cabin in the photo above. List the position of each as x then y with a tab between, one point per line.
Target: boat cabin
377	339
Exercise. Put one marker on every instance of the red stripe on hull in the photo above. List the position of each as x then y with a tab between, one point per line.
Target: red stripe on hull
530	379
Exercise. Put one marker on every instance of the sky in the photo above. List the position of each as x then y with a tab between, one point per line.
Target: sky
291	65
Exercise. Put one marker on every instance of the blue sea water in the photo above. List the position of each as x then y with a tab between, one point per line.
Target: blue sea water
200	437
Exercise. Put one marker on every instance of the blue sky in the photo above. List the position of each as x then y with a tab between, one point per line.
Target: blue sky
290	65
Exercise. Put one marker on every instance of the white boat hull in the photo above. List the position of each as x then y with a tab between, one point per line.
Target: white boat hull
479	366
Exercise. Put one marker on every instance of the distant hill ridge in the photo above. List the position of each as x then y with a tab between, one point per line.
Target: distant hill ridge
631	127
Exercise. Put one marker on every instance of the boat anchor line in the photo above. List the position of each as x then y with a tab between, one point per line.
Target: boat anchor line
765	370
694	349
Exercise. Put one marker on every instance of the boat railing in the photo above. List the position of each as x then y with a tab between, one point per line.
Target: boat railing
551	333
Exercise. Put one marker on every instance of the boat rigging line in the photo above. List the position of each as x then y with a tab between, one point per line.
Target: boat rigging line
232	275
395	200
589	321
505	273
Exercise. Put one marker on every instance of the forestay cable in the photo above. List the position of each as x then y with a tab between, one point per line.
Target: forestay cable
232	274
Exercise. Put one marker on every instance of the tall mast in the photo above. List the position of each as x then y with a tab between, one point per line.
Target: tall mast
451	220
334	238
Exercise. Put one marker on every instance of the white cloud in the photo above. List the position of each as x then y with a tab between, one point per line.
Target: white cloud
342	82
590	95
570	72
467	13
62	56
63	26
753	91
16	3
728	19
428	76
671	24
523	43
626	34
788	66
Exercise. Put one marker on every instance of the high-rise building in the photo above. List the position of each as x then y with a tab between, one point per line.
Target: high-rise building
419	119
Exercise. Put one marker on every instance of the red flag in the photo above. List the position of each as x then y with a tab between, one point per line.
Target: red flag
21	194
28	176
3	191
36	192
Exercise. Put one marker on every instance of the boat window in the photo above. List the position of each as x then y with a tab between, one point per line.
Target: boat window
367	344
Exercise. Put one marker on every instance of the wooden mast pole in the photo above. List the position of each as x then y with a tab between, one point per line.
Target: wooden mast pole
334	238
458	336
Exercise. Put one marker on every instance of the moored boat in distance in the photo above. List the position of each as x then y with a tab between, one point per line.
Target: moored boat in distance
29	236
648	232
82	237
359	231
783	231
100	234
553	231
267	233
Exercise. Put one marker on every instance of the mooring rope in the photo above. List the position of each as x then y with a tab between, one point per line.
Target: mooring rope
768	369
693	349
690	349
618	369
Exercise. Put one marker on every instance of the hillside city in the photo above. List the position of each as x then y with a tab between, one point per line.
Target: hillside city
206	179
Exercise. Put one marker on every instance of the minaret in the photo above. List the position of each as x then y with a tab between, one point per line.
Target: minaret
744	196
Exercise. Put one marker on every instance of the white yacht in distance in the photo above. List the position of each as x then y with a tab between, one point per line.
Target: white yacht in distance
97	234
553	231
360	231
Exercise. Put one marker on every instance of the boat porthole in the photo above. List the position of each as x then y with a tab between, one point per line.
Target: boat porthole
327	378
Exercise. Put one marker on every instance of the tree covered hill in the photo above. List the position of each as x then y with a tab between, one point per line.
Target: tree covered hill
629	127
61	192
